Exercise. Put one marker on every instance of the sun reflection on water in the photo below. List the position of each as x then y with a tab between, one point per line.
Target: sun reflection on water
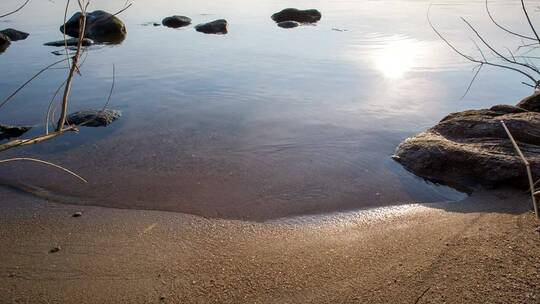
397	57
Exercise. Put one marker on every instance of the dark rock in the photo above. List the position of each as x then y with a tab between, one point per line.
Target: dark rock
55	249
293	14
94	118
156	24
77	214
472	148
176	21
100	26
7	132
288	24
70	42
14	35
5	42
531	103
215	27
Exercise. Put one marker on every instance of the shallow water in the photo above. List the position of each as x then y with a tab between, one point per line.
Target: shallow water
262	122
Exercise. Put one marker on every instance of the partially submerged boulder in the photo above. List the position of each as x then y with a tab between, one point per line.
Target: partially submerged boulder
472	148
93	118
14	35
70	42
176	21
301	16
5	42
531	103
7	131
288	24
215	27
100	26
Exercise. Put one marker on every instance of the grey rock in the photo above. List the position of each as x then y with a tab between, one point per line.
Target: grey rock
288	24
176	21
301	16
14	35
215	27
472	148
94	118
100	26
5	42
70	42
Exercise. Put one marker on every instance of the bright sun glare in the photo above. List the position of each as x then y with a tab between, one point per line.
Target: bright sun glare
396	58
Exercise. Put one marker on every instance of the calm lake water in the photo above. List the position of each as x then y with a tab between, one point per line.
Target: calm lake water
262	122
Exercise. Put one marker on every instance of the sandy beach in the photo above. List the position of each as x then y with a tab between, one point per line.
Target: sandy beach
481	250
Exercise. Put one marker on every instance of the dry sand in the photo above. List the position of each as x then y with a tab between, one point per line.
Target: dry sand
482	250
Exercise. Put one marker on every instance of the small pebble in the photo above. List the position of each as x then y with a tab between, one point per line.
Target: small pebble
162	298
54	249
77	214
537	229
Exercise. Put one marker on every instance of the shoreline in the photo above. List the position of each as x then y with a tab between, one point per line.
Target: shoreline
394	255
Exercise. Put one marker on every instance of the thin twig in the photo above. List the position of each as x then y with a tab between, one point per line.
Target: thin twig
30	80
503	28
527	166
529	21
46	163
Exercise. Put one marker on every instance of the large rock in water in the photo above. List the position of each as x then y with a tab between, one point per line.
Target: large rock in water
100	26
94	118
176	21
70	42
5	42
215	27
14	35
471	148
7	131
301	16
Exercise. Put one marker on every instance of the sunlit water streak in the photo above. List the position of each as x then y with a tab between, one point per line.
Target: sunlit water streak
262	122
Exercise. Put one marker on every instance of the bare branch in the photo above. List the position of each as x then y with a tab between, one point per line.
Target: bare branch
503	28
529	21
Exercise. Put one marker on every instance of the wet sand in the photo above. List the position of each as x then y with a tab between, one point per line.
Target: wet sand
482	250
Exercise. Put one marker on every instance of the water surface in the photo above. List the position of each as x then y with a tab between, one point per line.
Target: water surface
262	122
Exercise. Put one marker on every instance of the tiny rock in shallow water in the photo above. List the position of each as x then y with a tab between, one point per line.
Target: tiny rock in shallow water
94	118
70	42
176	21
7	132
215	27
100	26
301	16
288	24
5	42
14	35
472	148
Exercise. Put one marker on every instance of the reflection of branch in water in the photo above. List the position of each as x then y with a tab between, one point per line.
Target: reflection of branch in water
18	9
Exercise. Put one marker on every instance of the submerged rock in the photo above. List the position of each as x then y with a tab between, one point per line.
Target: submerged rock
288	24
70	42
7	131
100	26
176	21
5	42
14	35
472	148
94	118
215	27
301	16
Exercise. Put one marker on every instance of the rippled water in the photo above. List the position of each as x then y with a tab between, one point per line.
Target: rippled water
262	122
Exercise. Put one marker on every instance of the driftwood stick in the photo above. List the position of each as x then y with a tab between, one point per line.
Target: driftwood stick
527	166
35	140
